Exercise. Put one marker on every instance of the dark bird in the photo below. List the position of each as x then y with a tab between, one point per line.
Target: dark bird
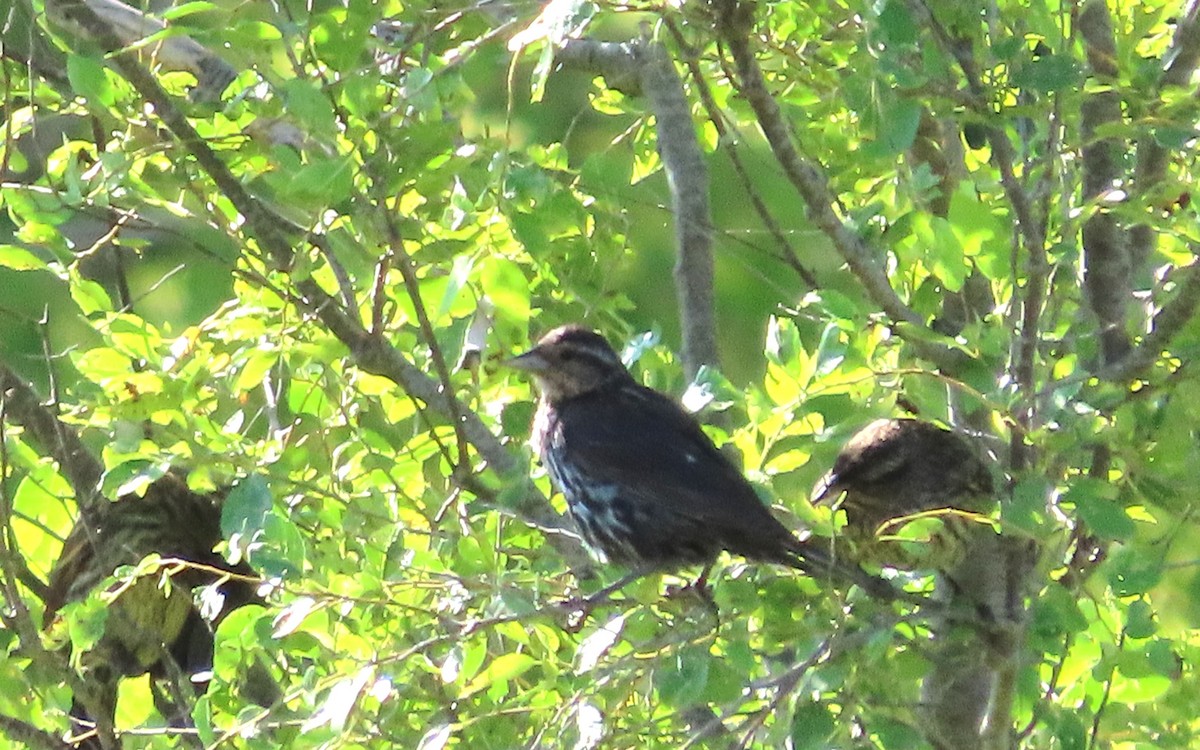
150	627
895	468
645	485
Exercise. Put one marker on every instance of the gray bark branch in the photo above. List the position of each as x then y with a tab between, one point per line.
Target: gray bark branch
1107	266
1173	316
131	26
644	67
969	692
810	182
728	139
57	440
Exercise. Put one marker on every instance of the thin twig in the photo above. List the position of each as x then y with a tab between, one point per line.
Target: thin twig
811	183
727	139
412	287
56	439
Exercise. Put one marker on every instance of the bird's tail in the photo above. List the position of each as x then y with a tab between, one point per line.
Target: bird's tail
819	561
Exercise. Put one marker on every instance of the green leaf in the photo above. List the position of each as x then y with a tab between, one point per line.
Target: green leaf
339	702
1139	620
1047	74
897	23
1070	731
255	369
1058	613
90	296
1027	506
1174	138
309	105
183	10
246	507
134	476
89	78
608	171
20	259
684	679
86	620
898	125
812	726
975	224
1097	505
506	286
501	670
1132	571
202	719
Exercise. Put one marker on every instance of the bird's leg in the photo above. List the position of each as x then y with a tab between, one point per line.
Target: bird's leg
704	593
699	587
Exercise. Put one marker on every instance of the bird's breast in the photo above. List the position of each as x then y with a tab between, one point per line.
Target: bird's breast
543	425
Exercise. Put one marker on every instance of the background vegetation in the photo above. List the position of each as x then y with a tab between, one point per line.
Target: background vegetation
978	213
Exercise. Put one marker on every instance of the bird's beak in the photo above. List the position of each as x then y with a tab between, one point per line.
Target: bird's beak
530	361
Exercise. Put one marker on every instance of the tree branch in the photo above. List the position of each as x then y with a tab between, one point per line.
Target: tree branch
687	174
131	26
645	67
969	692
1107	267
26	43
728	140
56	440
27	735
1173	316
1182	59
733	25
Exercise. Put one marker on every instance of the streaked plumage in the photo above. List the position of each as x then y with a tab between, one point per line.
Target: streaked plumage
644	483
146	621
894	468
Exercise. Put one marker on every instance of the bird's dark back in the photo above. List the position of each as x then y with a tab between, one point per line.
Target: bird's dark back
646	482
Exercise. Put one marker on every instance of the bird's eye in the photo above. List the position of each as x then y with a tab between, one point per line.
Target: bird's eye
566	355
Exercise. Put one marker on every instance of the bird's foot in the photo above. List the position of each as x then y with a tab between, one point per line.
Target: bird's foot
697	591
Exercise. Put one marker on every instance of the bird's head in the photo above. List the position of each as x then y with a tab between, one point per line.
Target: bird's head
571	361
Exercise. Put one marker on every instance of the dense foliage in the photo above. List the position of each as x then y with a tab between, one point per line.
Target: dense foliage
984	219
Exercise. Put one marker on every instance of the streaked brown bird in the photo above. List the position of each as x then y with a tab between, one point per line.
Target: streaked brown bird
894	468
645	485
148	622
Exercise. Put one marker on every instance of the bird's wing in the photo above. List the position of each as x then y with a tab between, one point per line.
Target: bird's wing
645	443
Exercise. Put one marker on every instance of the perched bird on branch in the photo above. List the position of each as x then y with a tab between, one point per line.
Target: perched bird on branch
152	624
896	468
645	485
